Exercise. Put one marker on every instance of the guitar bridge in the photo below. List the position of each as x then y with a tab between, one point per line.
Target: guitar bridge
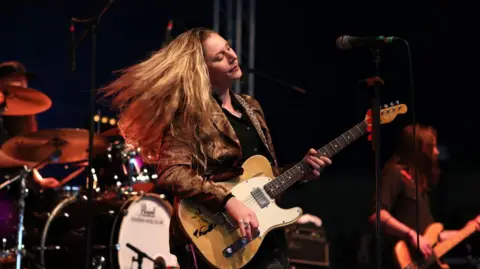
238	245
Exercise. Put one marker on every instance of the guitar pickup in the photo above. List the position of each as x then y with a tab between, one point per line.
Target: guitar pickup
238	245
260	197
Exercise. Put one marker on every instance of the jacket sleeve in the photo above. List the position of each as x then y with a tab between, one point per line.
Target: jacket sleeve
176	174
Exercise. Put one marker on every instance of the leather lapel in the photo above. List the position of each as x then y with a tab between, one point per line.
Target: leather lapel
222	123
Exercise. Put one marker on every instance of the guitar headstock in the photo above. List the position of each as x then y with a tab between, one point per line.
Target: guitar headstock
388	113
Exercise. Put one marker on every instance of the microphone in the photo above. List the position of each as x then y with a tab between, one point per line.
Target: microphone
346	42
160	263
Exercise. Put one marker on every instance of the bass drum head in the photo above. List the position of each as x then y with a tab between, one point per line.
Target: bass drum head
63	243
145	225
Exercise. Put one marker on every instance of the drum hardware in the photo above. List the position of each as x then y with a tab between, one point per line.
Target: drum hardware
22	176
142	255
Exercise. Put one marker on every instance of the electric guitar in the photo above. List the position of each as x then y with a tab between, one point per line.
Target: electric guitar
216	235
406	256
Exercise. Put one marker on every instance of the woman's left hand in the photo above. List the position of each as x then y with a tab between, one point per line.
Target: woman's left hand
316	163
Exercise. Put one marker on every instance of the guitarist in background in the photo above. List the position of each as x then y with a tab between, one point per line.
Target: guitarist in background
398	193
177	106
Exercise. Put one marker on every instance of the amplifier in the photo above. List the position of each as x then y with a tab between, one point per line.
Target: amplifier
307	246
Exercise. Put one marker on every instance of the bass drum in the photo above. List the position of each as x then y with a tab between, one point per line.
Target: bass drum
140	220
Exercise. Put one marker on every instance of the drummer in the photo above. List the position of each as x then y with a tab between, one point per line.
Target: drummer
14	73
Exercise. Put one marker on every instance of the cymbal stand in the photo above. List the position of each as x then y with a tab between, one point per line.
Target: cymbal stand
22	176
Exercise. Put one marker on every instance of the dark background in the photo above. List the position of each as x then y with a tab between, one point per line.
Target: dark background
295	43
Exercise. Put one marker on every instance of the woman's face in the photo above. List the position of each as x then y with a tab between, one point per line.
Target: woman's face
222	61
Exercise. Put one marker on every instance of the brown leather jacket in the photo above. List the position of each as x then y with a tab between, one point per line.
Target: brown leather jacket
175	164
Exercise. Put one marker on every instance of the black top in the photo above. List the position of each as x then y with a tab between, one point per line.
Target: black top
398	197
250	141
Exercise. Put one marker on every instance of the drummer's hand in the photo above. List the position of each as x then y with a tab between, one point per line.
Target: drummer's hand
48	182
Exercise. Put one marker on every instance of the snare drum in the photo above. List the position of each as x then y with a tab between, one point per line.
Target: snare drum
140	220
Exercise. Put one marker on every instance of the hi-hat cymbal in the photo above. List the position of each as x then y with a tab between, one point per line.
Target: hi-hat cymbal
23	101
38	146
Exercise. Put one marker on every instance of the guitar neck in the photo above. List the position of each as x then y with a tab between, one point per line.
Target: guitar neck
445	246
279	184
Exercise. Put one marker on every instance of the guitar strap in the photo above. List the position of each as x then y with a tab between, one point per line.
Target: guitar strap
253	118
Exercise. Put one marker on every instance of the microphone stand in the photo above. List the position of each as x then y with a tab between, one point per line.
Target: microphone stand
22	176
271	78
140	256
93	30
376	82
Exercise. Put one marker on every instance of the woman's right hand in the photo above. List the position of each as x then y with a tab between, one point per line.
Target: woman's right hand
425	247
246	219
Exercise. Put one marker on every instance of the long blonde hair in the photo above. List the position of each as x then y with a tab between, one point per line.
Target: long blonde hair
168	92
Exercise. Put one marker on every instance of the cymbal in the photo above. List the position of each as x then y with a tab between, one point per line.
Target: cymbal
38	146
24	101
111	132
8	162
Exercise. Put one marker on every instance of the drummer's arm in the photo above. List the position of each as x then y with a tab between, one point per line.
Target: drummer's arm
51	182
177	176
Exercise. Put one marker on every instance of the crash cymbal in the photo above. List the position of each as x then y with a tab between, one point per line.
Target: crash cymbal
38	146
8	162
23	101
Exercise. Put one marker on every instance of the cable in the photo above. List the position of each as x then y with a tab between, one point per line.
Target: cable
414	145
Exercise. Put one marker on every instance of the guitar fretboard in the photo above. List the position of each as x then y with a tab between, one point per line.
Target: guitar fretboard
279	184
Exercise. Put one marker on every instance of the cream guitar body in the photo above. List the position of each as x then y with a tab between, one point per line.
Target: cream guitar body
218	239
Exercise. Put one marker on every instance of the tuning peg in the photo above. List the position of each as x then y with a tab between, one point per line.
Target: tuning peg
385	105
398	102
391	103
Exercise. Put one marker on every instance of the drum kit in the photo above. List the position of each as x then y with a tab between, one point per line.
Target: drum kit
131	217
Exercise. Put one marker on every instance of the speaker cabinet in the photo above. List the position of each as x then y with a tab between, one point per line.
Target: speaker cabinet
307	246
